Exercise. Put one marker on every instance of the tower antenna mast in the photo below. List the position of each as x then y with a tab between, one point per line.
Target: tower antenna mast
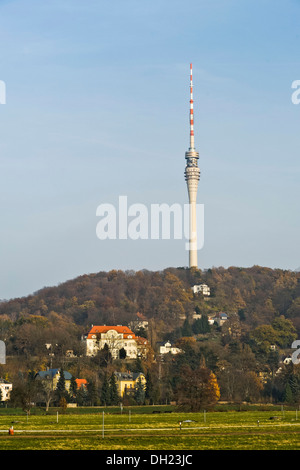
192	138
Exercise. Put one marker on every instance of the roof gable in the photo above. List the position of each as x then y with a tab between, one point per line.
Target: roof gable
128	376
51	373
104	329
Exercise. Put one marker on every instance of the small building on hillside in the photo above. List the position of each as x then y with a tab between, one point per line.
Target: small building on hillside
140	322
201	289
54	375
196	316
167	347
127	381
5	389
220	318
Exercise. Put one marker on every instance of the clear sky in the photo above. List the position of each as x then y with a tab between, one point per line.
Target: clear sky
96	107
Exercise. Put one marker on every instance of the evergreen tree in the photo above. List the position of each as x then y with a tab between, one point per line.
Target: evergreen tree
149	388
61	391
241	314
294	384
73	388
81	396
105	392
186	328
139	394
201	325
113	390
92	393
197	310
288	395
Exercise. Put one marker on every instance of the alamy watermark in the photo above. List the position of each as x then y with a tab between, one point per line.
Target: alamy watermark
2	92
295	359
296	94
2	353
159	222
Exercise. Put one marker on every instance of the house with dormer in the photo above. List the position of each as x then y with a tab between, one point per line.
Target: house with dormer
116	338
127	382
52	376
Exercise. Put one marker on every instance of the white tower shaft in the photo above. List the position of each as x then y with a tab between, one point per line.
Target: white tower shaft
192	176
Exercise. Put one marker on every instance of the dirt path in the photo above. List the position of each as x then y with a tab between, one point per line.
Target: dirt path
108	434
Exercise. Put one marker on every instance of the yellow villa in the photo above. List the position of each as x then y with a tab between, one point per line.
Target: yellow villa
127	381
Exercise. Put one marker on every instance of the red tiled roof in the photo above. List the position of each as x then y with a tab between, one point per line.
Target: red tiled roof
104	329
81	382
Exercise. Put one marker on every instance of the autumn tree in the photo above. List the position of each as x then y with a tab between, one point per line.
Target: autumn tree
281	332
45	391
103	357
249	386
24	392
197	389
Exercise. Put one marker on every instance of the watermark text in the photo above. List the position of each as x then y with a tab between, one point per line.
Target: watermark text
296	94
159	222
2	92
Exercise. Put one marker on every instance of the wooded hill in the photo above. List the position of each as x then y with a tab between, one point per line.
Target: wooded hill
250	296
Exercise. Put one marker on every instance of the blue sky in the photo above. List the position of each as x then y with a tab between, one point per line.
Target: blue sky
97	106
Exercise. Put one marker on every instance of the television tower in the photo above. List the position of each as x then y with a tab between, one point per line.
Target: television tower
192	176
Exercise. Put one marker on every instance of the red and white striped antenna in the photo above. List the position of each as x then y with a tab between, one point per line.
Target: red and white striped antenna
192	141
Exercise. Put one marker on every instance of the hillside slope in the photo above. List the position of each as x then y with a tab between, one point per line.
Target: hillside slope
256	295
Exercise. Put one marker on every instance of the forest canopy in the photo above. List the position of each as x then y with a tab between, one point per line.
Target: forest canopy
259	294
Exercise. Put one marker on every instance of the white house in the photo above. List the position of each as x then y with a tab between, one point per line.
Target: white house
140	322
168	348
220	319
116	338
201	288
6	388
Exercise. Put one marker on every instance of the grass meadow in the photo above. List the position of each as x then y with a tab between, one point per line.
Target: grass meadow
143	429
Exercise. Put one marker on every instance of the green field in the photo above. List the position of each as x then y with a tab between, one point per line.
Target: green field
136	430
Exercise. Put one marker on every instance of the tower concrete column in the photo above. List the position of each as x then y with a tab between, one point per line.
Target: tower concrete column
192	176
